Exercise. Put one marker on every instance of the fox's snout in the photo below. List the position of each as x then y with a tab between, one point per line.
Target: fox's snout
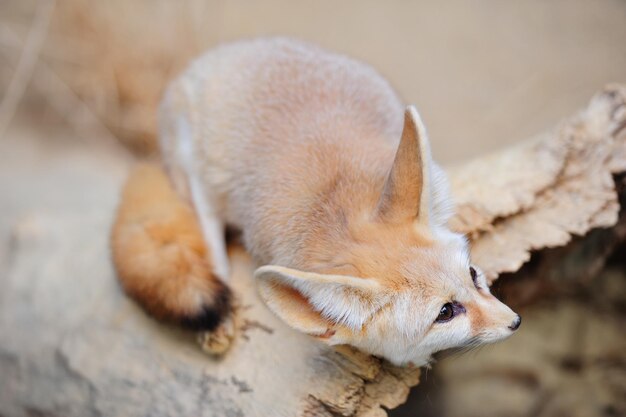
516	323
493	320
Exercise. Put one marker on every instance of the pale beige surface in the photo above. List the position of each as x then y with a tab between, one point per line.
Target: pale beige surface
484	73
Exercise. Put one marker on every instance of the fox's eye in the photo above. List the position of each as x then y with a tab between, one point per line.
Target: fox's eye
446	313
449	311
474	277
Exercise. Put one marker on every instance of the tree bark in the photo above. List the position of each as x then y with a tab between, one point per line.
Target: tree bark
73	345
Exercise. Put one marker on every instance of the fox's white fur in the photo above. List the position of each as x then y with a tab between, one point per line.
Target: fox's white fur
306	152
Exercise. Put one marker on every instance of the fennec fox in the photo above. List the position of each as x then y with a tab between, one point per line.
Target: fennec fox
307	153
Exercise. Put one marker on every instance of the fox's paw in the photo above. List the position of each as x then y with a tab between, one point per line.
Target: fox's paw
219	340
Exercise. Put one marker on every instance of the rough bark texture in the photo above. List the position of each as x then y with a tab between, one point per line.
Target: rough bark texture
73	345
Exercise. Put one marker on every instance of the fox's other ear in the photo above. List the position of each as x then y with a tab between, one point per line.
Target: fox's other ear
406	194
316	303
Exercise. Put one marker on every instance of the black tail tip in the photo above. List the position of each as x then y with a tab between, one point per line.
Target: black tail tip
211	315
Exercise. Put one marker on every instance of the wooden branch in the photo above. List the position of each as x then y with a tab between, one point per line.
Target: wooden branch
73	345
541	192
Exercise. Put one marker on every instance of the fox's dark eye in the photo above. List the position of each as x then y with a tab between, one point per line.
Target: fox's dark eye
446	313
474	277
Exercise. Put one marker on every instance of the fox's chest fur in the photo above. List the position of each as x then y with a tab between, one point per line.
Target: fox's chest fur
307	153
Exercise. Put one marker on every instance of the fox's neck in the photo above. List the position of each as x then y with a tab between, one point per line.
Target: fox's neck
326	169
348	192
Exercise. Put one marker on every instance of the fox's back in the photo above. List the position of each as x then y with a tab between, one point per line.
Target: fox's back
278	118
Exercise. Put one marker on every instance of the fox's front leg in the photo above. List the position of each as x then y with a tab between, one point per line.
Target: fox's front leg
163	263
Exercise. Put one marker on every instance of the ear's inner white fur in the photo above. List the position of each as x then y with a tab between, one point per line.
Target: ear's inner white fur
406	194
312	302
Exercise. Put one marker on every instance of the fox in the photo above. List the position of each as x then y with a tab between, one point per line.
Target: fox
328	177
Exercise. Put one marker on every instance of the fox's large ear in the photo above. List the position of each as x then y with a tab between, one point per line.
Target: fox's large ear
315	303
406	194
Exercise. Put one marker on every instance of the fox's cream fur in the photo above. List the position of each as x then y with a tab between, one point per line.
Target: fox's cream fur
315	159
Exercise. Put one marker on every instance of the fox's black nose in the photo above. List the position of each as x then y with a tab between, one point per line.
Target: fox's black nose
516	323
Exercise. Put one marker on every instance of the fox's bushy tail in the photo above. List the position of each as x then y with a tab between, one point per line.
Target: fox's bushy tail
160	256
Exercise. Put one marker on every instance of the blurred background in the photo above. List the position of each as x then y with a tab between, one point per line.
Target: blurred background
484	74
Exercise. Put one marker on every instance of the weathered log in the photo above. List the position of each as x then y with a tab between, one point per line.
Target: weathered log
73	345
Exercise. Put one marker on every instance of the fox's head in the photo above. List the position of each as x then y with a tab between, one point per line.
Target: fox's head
401	284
